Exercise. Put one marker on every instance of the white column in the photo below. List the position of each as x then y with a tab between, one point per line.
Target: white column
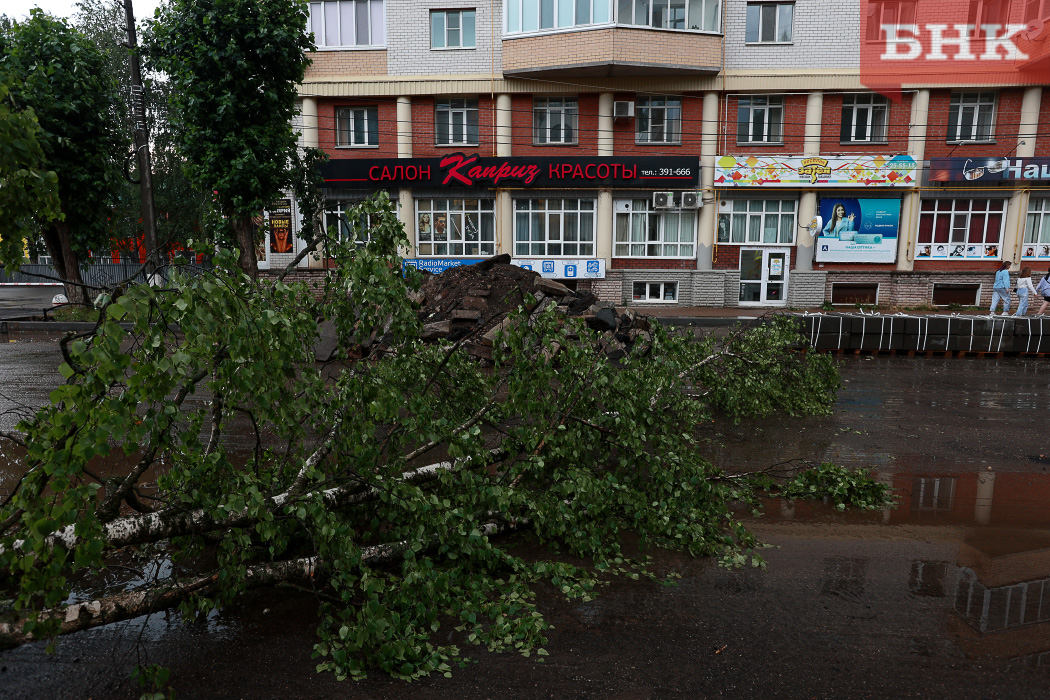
807	205
982	508
503	126
605	124
907	231
311	136
504	223
707	220
1016	210
404	127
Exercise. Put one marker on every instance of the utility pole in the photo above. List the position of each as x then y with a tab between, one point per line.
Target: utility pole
138	111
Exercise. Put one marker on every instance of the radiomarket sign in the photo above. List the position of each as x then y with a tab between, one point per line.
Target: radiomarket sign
953	42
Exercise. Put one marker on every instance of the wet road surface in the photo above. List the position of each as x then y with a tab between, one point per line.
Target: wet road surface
946	596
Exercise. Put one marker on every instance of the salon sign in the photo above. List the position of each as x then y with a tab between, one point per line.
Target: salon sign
816	171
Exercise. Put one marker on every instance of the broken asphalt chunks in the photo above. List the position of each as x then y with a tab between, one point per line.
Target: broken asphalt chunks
472	304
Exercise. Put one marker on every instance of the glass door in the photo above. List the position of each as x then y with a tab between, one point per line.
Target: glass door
763	276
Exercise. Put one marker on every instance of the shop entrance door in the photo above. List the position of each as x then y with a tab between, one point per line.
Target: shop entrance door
764	276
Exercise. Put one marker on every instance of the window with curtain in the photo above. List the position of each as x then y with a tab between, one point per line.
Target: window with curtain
644	232
346	23
554	227
758	221
961	228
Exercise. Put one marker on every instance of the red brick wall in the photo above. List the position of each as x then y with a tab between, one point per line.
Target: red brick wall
652	264
387	128
692	115
991	266
521	129
854	267
726	256
423	129
896	131
1042	142
1007	121
794	128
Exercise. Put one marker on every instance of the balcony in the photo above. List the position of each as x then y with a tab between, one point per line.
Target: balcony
612	52
339	64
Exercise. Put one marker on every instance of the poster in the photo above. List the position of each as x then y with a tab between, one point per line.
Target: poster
816	171
858	230
280	214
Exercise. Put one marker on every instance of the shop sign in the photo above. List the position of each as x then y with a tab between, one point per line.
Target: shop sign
815	171
474	170
858	230
562	268
439	265
989	169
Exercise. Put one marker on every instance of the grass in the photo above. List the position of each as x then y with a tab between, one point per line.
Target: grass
73	313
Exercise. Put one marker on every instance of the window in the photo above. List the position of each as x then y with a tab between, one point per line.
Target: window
659	120
357	126
1037	229
536	15
452	29
971	116
456	122
554	227
960	228
554	120
769	23
641	232
348	23
343	221
702	15
758	221
455	227
932	492
1036	9
864	118
655	291
760	120
988	12
888	12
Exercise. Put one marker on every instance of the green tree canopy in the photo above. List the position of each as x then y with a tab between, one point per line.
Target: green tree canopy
233	67
65	80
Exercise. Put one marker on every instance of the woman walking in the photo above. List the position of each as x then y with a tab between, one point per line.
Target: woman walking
1043	288
1001	288
1025	290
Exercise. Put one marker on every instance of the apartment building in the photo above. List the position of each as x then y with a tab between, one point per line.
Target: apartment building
691	152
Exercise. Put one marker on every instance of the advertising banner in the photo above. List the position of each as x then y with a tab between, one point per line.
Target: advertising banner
563	269
439	265
814	171
989	169
858	230
474	170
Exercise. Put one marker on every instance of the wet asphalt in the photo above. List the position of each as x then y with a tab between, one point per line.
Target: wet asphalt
947	595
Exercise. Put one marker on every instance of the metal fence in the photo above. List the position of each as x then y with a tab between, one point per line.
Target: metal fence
97	274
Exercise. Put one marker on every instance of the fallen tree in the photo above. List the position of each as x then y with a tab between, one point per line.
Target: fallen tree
382	479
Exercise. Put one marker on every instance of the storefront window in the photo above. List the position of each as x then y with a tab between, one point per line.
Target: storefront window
455	227
343	222
641	232
553	227
960	228
1037	229
758	221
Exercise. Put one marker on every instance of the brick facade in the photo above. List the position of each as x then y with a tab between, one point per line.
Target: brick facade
794	133
333	64
896	128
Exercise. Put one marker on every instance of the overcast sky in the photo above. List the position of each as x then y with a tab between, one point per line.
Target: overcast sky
19	9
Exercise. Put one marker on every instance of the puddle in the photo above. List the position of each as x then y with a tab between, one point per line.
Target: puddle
947	595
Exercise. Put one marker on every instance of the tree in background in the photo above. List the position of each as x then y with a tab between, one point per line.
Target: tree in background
233	67
64	79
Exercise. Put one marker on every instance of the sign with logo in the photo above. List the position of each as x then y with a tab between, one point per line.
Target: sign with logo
813	171
989	169
474	170
858	230
561	268
280	219
947	42
439	265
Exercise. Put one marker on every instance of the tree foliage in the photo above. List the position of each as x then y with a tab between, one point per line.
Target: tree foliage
233	67
28	190
63	78
388	485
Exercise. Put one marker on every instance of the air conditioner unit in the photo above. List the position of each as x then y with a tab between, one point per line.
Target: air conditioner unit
623	109
663	200
691	200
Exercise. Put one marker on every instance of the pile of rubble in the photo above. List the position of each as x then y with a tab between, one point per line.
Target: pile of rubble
470	304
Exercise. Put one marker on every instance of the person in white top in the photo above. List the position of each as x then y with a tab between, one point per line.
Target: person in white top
1024	290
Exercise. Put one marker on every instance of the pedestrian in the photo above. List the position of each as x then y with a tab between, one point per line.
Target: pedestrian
1001	288
1043	288
1024	290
